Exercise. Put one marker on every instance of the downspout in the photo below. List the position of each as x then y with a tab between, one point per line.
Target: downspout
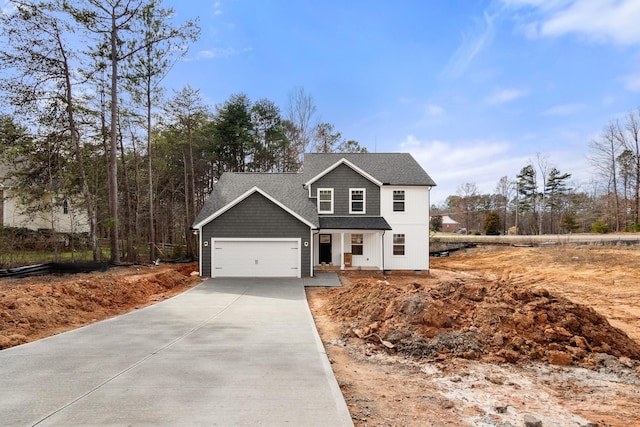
200	250
383	231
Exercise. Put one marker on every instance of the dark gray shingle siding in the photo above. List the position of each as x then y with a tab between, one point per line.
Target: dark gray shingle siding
256	217
343	178
389	168
286	188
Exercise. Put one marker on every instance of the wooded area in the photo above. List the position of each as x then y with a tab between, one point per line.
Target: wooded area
541	199
87	124
90	123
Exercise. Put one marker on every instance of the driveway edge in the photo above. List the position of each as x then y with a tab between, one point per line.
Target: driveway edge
341	404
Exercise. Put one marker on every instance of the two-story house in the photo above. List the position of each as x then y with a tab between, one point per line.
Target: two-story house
348	210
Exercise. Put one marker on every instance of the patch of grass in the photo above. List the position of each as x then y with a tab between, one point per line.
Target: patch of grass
21	258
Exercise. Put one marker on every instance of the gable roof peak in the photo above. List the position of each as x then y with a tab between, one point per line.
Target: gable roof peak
342	161
386	168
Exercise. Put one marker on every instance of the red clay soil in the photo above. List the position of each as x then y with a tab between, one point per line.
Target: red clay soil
35	307
493	336
444	317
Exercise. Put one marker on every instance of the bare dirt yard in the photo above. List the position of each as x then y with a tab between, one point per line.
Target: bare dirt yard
494	336
35	307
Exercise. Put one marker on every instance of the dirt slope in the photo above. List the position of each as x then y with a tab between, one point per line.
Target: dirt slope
494	336
36	307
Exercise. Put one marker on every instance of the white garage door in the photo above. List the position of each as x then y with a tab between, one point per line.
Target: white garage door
256	258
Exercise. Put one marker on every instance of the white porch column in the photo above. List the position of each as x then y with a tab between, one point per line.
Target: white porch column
342	251
381	249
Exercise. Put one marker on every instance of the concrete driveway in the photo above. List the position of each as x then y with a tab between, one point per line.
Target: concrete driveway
227	352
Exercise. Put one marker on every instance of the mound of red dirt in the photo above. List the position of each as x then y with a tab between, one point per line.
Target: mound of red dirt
35	307
474	318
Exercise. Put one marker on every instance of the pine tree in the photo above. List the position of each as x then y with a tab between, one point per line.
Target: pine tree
492	223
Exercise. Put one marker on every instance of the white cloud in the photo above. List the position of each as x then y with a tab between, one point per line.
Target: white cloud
484	162
451	165
219	52
434	110
217	8
216	53
632	82
502	96
602	21
564	110
472	45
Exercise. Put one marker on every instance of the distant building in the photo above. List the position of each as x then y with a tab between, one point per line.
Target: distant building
61	217
449	225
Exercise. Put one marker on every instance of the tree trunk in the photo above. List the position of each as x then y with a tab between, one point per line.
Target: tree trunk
191	247
127	205
113	157
152	240
75	141
187	225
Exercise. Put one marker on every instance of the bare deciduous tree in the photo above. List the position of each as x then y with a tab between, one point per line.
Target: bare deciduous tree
300	113
605	151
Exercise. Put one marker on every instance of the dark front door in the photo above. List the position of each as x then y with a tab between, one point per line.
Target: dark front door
325	248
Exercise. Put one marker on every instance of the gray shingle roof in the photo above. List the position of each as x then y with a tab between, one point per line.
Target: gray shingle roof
354	223
283	187
389	168
287	188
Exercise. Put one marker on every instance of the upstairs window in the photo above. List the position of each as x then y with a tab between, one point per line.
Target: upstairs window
398	244
356	244
325	200
398	200
357	200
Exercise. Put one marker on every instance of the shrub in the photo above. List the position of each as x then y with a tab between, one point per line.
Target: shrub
492	223
436	223
600	227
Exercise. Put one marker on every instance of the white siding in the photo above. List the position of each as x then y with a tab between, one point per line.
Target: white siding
371	256
413	223
75	221
370	250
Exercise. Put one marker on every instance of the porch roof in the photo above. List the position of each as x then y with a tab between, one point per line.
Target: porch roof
354	223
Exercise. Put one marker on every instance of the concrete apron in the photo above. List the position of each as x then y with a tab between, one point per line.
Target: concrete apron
227	352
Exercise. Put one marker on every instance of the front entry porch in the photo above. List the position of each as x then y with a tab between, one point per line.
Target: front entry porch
345	250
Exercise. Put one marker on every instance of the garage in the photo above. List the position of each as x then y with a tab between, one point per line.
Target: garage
255	257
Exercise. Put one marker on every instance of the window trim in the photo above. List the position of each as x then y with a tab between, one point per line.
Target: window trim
364	201
357	244
330	190
403	244
403	201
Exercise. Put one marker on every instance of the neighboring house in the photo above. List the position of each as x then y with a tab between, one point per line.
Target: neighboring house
351	211
449	225
61	217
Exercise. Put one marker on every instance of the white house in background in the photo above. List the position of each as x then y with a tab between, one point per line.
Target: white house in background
346	210
61	217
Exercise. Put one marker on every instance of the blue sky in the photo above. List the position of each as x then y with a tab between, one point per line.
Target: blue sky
473	89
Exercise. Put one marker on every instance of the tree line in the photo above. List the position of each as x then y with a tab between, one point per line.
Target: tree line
91	125
541	199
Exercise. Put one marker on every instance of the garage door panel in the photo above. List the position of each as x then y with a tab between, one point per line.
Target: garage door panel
259	258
